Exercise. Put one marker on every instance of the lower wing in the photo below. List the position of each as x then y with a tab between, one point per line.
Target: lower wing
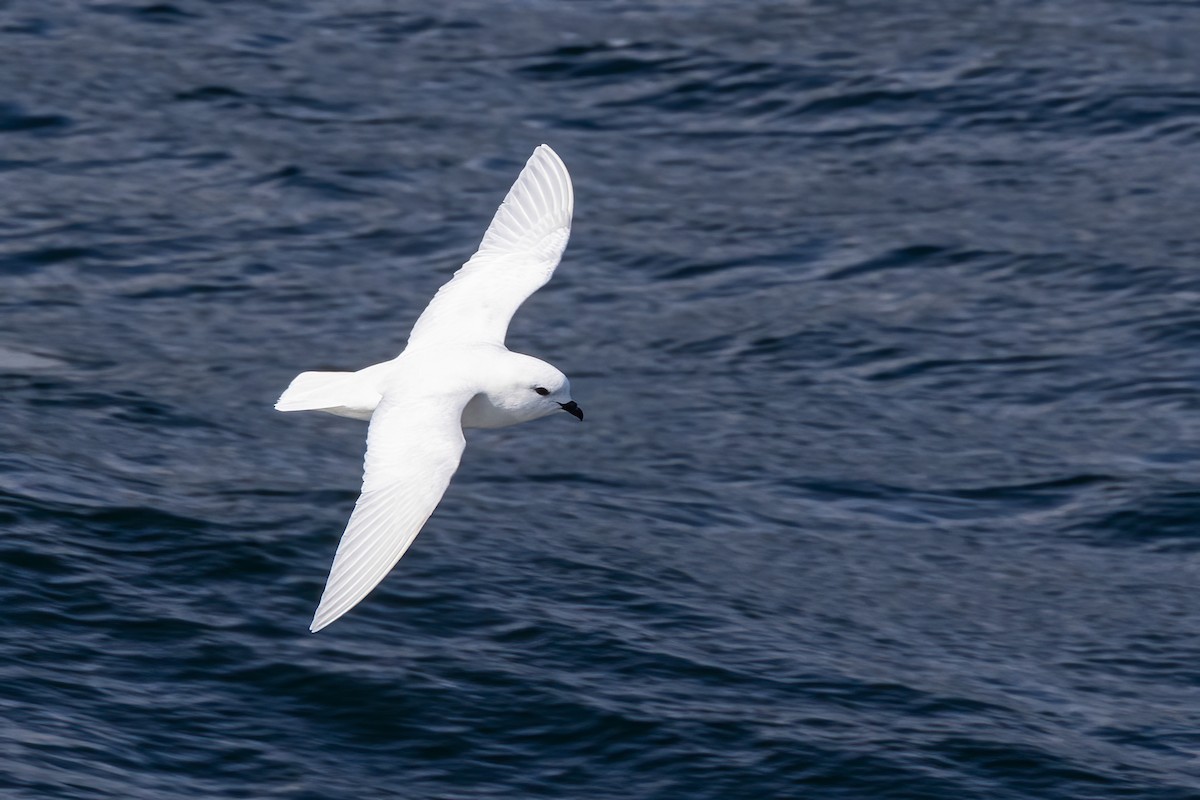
413	448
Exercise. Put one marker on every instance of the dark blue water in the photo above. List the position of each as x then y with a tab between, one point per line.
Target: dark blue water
886	318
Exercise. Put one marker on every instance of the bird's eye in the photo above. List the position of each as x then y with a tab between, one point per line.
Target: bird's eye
542	390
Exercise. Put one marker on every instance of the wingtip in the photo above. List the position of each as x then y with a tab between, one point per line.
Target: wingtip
324	616
546	150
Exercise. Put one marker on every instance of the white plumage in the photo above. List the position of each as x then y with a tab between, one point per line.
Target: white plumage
454	373
517	256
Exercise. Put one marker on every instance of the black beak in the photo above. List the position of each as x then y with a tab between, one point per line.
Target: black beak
573	409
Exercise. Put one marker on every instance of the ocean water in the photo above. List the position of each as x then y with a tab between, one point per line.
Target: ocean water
885	316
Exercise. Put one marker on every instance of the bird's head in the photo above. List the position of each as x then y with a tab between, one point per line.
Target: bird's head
540	390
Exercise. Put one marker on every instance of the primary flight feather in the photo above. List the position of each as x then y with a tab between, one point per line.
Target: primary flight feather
455	373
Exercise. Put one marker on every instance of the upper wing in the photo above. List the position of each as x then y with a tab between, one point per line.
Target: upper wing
413	448
517	256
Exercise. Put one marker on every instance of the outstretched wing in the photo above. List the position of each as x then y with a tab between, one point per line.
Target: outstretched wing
517	256
413	448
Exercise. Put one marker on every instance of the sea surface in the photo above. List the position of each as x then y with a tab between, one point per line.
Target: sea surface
885	317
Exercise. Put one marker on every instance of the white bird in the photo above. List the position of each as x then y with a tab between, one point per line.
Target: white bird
455	373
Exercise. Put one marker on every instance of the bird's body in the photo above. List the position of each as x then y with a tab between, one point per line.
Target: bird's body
455	373
486	368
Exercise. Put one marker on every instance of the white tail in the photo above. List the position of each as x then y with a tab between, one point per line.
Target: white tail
346	394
